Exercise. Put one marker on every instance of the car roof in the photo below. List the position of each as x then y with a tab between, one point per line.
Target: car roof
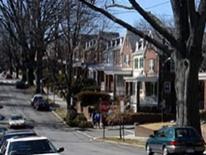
38	95
13	115
14	132
30	138
177	127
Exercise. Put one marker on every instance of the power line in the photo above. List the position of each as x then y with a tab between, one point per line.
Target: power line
150	7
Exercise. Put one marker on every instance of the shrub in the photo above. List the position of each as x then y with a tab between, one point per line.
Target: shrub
131	118
79	121
92	98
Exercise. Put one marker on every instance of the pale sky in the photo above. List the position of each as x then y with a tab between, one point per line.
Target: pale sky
157	7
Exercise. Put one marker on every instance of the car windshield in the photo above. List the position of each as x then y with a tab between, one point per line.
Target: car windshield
5	137
186	133
32	147
16	117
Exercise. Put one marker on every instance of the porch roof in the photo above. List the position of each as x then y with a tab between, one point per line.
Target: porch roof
141	78
118	72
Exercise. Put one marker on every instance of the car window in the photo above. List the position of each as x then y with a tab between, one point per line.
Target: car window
185	133
32	147
16	117
160	133
3	147
169	133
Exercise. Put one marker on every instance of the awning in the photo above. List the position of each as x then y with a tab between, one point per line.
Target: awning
141	79
118	72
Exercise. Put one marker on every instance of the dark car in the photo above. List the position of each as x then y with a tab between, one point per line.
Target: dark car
16	133
21	85
42	105
175	140
35	98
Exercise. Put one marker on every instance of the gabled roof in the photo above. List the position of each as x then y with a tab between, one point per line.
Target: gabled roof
132	39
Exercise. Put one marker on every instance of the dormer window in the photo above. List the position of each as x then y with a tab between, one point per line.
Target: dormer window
151	65
141	63
136	63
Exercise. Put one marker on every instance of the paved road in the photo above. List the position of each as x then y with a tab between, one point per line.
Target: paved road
45	123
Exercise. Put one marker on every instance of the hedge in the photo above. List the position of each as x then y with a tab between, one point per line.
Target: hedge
91	98
140	118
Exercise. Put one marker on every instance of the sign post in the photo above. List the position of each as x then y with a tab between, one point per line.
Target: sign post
104	108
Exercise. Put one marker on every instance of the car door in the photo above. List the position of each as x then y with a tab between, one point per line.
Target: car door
161	139
154	141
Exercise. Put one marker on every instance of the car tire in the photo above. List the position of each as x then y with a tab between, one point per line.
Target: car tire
199	153
149	150
165	151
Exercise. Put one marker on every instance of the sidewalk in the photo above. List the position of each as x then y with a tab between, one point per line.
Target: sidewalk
56	99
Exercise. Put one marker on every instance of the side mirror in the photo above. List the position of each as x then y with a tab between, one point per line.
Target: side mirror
155	132
151	136
61	149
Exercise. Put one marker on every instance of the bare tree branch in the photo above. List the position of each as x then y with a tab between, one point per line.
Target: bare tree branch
192	13
114	4
181	18
156	23
202	12
158	44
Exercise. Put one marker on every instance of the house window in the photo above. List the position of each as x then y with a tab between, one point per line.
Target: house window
141	63
136	63
151	64
126	59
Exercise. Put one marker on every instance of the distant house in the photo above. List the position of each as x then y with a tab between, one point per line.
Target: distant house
144	86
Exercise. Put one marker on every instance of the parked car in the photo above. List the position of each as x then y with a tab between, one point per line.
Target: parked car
35	98
175	140
16	120
42	105
29	145
8	76
16	133
21	85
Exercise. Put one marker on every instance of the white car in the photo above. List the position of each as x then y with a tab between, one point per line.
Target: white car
16	121
28	146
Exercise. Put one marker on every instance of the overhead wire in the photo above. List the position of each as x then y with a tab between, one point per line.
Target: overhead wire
147	8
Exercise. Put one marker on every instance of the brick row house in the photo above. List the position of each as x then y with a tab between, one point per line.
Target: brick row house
125	67
129	67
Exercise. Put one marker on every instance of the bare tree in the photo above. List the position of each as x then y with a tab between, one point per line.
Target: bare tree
45	16
32	24
76	22
184	46
14	17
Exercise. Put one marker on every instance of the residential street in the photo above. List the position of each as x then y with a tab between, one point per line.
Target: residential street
45	123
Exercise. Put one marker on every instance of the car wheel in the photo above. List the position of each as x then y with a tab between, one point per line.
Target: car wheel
165	151
199	153
148	150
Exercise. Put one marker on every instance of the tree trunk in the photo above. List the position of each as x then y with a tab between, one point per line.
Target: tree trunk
31	76
39	71
24	75
186	85
17	72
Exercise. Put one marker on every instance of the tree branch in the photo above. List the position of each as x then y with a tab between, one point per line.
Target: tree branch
180	11
192	13
202	12
119	6
158	44
156	23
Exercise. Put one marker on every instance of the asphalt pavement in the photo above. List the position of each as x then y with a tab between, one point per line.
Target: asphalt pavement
75	141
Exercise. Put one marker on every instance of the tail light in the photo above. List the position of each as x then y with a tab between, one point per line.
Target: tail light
201	142
176	143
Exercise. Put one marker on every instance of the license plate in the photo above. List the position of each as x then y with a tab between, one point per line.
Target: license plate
190	151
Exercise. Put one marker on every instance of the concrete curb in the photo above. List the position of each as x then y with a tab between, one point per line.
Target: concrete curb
59	118
121	143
